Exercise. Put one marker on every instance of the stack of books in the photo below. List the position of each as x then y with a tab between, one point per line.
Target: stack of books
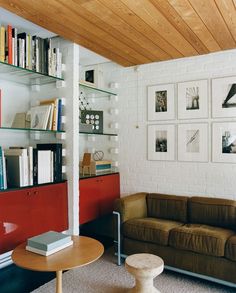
30	52
26	166
48	243
97	167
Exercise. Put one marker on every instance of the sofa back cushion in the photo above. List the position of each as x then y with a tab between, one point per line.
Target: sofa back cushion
171	207
212	211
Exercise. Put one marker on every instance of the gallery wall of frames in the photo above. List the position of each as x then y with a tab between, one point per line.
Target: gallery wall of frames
191	134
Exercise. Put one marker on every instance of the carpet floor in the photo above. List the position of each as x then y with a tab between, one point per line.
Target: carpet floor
104	276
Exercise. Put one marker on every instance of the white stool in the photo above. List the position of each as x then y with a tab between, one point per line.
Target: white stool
144	267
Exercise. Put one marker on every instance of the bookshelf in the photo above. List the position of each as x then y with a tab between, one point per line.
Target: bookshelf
94	92
25	76
56	200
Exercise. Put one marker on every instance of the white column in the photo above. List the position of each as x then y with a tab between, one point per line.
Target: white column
70	52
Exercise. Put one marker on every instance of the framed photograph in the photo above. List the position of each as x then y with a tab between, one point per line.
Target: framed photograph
92	75
161	102
224	97
224	142
161	142
193	99
193	142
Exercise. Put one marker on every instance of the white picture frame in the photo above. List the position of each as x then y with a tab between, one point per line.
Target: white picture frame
161	102
223	97
193	142
39	116
193	99
224	142
92	75
161	142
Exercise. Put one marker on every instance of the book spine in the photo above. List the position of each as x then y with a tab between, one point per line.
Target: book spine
4	171
15	47
1	170
35	166
0	108
59	114
9	36
2	44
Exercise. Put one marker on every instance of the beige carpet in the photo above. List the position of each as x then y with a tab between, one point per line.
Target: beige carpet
104	276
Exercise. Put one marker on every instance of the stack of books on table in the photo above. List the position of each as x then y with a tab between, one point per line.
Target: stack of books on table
48	243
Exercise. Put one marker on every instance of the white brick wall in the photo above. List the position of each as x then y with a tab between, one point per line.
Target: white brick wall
185	178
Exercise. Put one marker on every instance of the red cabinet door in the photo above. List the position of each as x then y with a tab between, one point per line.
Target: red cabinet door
109	191
88	200
15	222
49	208
97	196
27	212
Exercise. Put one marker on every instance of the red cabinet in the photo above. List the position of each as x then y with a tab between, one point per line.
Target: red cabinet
97	196
31	211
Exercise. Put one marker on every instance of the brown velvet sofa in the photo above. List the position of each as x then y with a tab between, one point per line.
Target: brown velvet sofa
191	234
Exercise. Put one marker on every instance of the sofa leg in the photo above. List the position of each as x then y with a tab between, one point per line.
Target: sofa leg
118	242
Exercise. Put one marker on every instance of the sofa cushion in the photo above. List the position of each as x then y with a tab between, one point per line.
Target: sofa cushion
230	248
149	229
169	207
200	238
212	211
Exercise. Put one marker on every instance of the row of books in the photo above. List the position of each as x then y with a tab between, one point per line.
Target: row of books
48	243
26	166
96	167
30	52
47	115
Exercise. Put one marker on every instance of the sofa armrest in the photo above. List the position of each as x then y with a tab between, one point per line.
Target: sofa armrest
132	206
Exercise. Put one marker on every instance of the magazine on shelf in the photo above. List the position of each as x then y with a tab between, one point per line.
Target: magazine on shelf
40	116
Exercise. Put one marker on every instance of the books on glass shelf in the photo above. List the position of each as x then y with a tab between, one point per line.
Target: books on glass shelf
48	243
30	52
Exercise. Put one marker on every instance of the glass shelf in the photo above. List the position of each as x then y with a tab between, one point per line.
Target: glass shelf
25	76
93	92
32	130
90	133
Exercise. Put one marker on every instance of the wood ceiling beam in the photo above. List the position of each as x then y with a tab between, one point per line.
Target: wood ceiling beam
190	16
145	45
149	13
228	11
175	19
121	10
210	15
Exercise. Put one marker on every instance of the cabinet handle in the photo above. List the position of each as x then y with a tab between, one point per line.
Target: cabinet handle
28	193
36	192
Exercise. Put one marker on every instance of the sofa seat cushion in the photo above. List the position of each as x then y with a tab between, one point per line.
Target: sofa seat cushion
230	248
149	229
199	238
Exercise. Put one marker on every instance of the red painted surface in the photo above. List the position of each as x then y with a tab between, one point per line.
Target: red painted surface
31	211
97	196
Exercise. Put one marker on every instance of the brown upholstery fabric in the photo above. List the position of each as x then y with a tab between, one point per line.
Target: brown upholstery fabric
212	211
149	229
217	267
230	248
200	238
169	207
132	206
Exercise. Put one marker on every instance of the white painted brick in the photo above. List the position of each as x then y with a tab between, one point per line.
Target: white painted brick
139	174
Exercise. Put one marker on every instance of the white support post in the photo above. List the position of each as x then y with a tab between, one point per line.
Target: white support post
70	54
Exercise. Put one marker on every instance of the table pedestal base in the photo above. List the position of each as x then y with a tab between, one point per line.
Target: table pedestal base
59	282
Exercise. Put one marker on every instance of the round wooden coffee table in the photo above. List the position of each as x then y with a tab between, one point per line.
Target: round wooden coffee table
84	251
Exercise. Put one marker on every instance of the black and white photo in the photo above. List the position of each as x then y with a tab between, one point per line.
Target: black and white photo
193	99
161	142
161	102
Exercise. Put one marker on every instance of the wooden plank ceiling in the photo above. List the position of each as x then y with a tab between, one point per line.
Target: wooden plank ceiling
132	32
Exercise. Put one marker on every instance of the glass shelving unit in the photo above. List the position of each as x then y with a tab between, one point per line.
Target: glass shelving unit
106	134
93	92
32	130
25	76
